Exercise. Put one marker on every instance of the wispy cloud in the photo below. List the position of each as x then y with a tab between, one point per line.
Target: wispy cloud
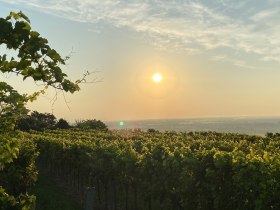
193	26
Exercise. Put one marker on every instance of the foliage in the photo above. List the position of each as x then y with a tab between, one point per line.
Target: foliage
12	106
62	124
51	196
21	173
152	130
22	202
91	124
17	173
32	58
155	170
37	121
35	58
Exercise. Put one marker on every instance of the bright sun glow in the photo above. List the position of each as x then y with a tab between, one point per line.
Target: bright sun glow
157	78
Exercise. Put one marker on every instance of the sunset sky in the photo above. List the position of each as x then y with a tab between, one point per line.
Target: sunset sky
217	58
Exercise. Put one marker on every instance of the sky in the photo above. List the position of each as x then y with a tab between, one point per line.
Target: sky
217	58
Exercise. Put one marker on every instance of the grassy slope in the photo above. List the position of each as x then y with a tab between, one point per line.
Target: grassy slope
51	197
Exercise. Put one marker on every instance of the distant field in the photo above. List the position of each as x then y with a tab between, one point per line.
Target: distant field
165	170
243	125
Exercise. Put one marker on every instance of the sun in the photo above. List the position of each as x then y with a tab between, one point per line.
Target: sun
157	78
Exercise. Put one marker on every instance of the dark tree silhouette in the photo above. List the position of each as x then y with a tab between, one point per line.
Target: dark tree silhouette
62	124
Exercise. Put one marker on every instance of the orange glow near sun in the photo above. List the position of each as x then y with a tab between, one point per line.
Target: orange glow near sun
157	78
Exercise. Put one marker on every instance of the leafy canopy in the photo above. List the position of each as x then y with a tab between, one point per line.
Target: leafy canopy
29	56
32	58
35	58
36	121
91	124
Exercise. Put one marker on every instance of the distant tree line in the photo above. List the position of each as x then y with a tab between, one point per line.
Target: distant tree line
41	121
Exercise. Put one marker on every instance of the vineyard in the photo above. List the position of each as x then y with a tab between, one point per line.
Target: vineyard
164	170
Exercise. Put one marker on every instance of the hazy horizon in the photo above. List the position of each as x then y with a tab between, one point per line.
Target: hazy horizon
241	125
217	58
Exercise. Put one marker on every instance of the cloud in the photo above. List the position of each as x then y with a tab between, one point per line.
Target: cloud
192	26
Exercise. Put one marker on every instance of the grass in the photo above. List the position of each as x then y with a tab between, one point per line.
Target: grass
51	197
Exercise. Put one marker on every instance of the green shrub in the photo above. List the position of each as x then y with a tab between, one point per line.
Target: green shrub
91	124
